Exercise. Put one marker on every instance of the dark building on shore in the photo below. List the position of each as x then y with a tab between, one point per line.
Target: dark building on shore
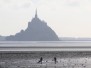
37	30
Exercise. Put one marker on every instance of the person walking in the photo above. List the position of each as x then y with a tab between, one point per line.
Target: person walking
55	60
40	61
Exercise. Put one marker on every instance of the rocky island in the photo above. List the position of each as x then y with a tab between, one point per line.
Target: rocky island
37	30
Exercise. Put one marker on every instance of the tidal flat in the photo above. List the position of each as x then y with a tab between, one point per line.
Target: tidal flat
30	59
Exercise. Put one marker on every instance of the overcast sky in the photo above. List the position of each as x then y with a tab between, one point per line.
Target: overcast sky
68	18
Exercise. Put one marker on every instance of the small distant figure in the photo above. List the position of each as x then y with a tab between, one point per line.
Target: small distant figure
40	61
55	60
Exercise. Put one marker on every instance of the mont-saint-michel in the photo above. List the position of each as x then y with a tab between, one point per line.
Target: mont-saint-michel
37	30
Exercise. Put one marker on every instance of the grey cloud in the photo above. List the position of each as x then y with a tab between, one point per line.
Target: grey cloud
36	1
7	1
26	5
23	6
73	4
12	4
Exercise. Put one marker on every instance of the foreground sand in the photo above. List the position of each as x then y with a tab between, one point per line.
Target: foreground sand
30	59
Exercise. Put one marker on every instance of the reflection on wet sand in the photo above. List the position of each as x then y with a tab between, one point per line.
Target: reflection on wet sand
45	60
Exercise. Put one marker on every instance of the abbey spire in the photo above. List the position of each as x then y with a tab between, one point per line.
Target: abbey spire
36	16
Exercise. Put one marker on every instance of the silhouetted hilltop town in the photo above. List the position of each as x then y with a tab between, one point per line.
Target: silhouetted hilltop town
37	30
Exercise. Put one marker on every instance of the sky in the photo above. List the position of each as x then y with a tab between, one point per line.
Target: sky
68	18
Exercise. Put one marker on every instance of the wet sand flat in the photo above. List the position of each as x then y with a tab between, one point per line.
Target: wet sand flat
30	59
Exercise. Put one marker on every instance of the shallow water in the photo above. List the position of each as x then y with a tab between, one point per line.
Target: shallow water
45	46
